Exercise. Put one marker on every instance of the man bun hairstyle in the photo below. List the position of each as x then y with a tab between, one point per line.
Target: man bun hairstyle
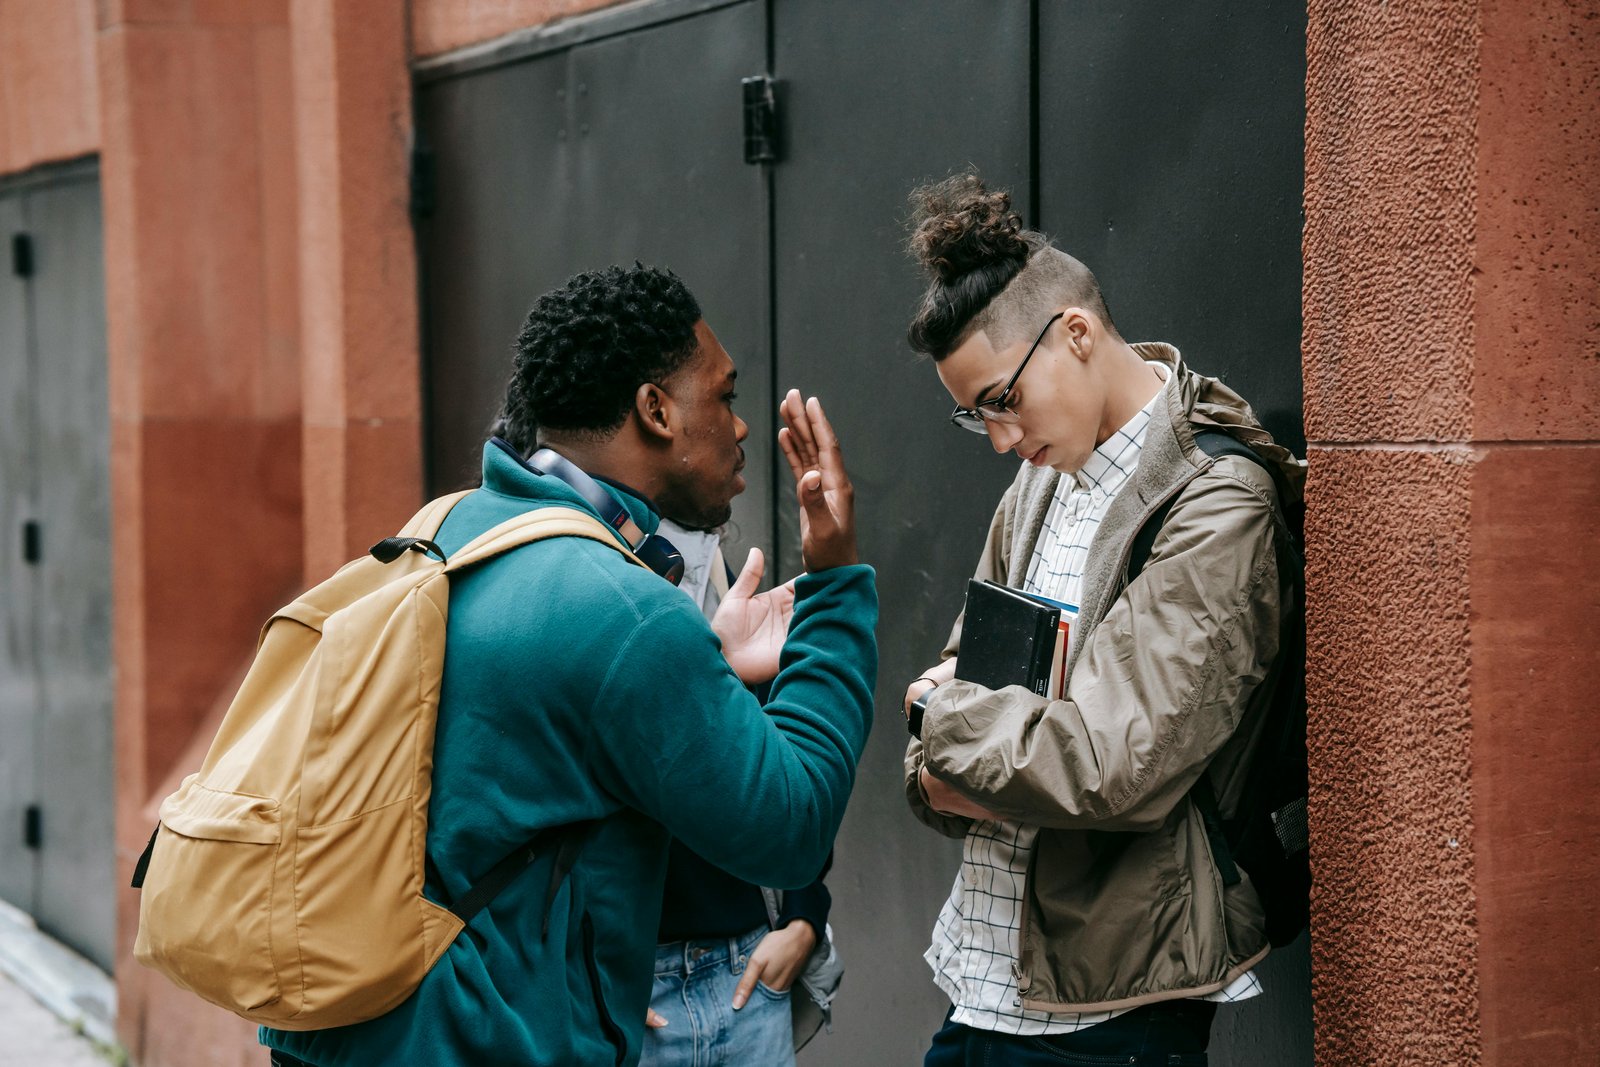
586	347
986	271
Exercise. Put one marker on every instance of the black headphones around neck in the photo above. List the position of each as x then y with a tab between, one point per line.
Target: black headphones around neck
653	550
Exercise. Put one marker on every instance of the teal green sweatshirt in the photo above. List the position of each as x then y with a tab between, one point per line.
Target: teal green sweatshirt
580	686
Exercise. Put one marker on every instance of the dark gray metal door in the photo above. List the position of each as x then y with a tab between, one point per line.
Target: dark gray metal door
1162	147
1171	160
63	715
618	146
877	97
19	695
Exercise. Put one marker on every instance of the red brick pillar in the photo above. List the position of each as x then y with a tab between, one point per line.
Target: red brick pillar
1452	382
197	173
358	277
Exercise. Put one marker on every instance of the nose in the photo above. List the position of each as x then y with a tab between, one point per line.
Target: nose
1003	437
741	429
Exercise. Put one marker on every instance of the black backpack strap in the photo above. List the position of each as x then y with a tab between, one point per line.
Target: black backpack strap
143	866
567	842
392	548
1214	443
1205	801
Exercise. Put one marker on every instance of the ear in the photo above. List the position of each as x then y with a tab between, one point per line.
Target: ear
654	408
1078	326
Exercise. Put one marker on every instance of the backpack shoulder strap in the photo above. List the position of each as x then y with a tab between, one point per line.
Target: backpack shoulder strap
1214	443
536	525
426	522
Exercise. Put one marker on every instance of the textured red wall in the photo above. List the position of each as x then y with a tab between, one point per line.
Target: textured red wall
1452	375
1391	100
202	320
1535	513
49	106
1393	938
362	393
1536	372
442	25
1535	602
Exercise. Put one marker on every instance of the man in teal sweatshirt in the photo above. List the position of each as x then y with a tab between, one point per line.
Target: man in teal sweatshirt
578	686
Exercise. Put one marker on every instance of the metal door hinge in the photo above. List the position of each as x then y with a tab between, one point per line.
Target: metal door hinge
32	545
22	255
424	189
33	827
760	119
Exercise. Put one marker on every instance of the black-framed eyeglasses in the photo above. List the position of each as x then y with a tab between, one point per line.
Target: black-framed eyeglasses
975	419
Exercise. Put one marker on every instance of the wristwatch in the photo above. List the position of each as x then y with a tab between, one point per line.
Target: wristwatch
917	709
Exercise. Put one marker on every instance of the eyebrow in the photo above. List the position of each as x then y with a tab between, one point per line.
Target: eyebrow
978	401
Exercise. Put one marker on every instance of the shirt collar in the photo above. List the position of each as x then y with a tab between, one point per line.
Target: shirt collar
1117	457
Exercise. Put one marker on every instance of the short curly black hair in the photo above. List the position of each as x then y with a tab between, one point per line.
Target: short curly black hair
586	347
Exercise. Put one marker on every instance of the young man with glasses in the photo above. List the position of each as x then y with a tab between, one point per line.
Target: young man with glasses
1088	919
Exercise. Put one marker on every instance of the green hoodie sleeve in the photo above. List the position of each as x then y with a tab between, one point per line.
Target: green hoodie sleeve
757	791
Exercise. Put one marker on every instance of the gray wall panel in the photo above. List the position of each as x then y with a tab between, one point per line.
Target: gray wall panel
660	129
1172	162
1169	158
627	147
19	696
74	753
502	197
877	98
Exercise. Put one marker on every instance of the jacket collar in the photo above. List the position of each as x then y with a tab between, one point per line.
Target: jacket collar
506	475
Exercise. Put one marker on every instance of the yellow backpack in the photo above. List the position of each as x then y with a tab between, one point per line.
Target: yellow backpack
284	881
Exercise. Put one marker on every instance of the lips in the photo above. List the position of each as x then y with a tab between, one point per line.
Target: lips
1038	456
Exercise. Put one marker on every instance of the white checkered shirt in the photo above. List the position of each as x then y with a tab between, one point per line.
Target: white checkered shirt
974	950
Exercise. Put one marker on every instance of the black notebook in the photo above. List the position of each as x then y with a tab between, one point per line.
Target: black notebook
1008	638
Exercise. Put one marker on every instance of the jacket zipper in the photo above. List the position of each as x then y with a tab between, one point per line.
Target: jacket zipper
607	1023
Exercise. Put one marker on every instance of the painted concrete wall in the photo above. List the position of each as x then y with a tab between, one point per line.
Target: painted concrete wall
203	322
49	103
1452	374
445	25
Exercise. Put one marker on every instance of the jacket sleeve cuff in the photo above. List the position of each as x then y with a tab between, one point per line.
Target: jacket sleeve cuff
811	904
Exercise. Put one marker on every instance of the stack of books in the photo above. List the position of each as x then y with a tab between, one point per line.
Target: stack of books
1009	637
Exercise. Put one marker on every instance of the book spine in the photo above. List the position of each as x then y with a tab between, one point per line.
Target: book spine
1043	652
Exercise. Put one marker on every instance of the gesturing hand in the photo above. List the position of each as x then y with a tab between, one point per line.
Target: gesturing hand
827	499
754	626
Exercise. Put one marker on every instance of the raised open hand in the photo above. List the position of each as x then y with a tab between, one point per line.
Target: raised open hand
754	626
827	499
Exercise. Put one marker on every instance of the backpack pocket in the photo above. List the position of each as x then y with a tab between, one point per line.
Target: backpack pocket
205	916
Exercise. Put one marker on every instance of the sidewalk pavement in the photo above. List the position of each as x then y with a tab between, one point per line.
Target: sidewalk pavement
32	1036
43	984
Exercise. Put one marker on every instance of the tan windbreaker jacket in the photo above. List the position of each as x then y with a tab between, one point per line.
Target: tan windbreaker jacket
1166	680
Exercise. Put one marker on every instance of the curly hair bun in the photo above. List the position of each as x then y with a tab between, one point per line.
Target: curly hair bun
959	226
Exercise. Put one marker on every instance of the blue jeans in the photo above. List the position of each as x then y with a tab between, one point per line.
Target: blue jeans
693	991
1172	1033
